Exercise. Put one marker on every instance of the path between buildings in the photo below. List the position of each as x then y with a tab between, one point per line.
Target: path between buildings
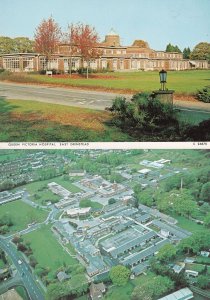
78	97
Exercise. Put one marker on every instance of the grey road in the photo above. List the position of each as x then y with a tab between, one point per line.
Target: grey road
56	95
76	97
34	292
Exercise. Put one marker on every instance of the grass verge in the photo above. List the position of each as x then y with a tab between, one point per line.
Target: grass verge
36	121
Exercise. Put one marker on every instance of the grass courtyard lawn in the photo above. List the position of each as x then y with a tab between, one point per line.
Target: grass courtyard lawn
22	214
119	292
195	267
124	292
188	224
46	249
183	82
44	194
67	185
37	121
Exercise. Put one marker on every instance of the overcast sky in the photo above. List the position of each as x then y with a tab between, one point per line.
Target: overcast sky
181	22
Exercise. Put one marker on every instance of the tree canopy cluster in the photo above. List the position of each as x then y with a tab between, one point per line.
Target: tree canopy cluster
16	45
172	48
201	51
154	287
119	275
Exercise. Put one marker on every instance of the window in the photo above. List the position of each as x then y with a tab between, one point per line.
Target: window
115	64
133	64
103	64
28	64
12	64
53	63
42	63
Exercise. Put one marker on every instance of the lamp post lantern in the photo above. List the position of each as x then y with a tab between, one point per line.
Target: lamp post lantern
163	94
163	76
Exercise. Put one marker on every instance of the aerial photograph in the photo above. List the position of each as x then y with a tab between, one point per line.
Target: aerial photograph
104	224
104	71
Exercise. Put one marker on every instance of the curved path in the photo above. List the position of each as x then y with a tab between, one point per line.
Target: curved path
77	97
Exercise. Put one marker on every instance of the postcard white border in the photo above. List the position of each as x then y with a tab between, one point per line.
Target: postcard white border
105	145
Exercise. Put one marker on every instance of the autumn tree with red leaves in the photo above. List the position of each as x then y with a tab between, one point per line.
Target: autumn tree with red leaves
47	37
85	38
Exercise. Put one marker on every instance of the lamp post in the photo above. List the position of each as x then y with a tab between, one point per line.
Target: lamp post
163	76
163	94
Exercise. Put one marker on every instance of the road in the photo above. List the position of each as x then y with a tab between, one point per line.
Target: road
34	292
76	97
56	95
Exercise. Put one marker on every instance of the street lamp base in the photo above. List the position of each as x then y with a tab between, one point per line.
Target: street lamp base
165	96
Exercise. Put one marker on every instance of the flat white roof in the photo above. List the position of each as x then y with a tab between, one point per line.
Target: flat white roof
185	294
144	171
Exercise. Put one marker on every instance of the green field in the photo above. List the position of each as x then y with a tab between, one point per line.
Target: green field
188	224
48	252
183	82
44	194
22	120
22	214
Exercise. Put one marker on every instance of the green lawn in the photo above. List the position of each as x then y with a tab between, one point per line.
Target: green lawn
89	203
203	260
67	185
119	292
46	249
193	118
183	82
30	121
188	224
22	214
124	292
195	267
44	194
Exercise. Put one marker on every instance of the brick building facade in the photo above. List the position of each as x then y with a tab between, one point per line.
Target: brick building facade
138	56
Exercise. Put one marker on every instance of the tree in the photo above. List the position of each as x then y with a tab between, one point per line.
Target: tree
33	262
119	275
111	201
85	38
153	287
70	35
166	253
203	281
183	203
23	45
19	44
207	220
196	242
47	37
201	51
186	53
172	48
205	192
